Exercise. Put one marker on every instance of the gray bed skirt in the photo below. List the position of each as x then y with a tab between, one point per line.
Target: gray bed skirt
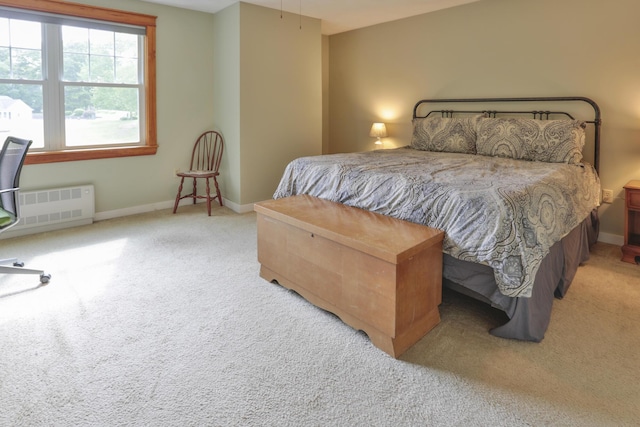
528	317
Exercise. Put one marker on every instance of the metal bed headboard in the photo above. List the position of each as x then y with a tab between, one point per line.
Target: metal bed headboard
537	114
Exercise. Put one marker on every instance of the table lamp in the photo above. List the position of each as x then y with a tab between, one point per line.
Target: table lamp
378	130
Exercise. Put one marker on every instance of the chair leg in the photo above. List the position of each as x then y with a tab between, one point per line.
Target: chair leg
175	206
44	278
218	195
208	197
195	190
4	269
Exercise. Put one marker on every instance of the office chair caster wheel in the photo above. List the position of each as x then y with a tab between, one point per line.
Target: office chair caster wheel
44	278
18	264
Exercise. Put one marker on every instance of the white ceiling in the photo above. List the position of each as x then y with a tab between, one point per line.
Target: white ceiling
336	15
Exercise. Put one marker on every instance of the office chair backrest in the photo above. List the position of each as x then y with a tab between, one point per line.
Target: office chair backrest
12	156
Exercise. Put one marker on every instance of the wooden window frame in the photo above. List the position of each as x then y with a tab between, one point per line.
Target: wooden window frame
117	16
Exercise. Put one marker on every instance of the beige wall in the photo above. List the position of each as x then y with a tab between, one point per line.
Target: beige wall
185	109
226	96
325	94
268	96
280	96
496	48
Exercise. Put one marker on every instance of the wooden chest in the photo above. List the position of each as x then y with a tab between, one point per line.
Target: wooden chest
379	274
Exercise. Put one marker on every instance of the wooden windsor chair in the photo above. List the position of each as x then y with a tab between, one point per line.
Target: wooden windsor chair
205	162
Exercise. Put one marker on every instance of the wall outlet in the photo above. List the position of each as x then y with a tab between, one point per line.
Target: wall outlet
607	196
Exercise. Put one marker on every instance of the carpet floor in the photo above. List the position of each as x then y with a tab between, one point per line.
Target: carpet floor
162	320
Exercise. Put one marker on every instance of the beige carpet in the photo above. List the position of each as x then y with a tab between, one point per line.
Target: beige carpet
162	320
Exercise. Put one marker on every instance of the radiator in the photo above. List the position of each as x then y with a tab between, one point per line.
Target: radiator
52	209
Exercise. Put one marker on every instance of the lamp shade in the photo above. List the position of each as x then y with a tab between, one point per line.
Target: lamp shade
378	130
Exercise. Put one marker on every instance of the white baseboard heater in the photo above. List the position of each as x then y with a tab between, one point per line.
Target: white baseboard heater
53	209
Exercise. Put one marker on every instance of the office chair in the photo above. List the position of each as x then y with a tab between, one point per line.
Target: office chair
12	158
205	162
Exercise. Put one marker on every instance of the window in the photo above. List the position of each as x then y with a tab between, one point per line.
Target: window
79	81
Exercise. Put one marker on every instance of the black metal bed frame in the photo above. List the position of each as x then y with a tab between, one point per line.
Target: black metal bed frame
537	114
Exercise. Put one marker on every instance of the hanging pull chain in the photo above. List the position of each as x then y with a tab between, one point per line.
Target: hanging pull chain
299	12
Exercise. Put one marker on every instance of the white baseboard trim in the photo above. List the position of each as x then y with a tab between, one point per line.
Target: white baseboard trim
51	227
134	210
612	239
241	209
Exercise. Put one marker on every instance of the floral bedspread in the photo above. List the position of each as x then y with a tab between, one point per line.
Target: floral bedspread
499	212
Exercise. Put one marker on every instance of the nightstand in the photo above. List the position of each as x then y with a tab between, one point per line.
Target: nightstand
631	248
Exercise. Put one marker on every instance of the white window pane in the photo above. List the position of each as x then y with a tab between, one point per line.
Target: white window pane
101	116
21	113
76	67
75	47
5	63
102	69
75	40
26	64
101	42
25	34
20	51
126	70
4	32
126	45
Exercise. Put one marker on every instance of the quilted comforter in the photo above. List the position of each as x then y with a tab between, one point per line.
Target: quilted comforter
499	212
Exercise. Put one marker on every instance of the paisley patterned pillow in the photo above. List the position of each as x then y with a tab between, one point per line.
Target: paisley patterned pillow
450	134
551	141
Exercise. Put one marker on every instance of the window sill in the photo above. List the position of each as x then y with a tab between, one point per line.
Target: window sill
88	154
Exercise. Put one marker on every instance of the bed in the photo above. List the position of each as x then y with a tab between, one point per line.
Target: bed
511	185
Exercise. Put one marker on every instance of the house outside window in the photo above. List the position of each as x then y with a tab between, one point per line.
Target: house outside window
78	81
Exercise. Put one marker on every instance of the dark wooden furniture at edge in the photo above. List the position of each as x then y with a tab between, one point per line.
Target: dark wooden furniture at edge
631	248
